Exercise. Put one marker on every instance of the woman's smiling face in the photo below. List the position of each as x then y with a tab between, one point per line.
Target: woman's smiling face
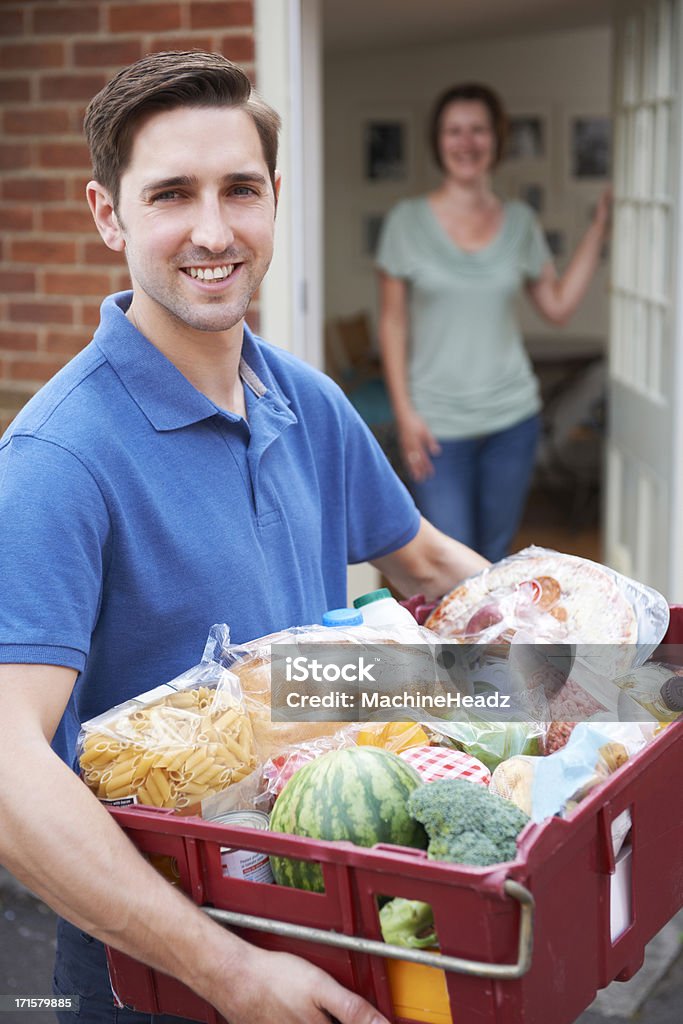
467	141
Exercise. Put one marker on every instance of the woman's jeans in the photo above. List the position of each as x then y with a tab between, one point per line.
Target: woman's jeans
479	487
81	969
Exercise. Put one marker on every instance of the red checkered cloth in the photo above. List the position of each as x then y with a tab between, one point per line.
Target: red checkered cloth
443	763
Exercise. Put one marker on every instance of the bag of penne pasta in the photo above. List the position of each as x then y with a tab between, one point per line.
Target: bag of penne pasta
173	746
259	790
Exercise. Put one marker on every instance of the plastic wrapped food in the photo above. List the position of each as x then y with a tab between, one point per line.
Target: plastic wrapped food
172	746
434	763
261	788
393	736
557	735
493	742
593	752
554	598
514	778
251	664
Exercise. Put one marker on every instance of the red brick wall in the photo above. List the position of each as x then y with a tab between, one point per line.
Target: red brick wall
54	269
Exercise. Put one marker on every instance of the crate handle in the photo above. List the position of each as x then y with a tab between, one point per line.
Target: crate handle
478	968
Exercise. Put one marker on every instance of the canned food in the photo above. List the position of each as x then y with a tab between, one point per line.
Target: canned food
252	865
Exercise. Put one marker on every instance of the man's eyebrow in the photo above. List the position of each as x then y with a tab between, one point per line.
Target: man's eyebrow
165	184
188	181
248	176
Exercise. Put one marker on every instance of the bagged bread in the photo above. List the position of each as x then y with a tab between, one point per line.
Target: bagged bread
251	665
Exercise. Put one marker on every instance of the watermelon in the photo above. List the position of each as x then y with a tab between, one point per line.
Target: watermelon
359	794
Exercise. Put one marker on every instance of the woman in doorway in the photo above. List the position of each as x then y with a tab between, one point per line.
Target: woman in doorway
451	264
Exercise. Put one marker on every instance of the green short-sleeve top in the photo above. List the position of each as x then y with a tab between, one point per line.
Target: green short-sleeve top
469	373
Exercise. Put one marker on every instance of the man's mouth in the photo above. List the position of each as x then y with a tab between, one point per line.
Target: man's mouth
209	273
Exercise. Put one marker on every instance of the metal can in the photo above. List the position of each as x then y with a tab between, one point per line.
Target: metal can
252	865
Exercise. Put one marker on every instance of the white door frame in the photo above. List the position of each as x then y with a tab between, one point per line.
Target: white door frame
675	590
645	440
289	77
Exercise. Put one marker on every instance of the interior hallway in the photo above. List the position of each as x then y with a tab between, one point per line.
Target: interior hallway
547	525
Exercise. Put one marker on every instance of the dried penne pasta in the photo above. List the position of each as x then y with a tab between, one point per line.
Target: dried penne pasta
226	719
124	766
190	787
241	753
172	751
117	794
211	773
120	779
154	788
183	699
144	796
176	762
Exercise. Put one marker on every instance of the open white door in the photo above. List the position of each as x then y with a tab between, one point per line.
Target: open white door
289	71
288	67
644	515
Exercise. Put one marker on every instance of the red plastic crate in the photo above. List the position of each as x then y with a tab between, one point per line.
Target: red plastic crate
566	865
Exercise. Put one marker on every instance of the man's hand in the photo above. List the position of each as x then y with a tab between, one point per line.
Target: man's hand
430	564
278	987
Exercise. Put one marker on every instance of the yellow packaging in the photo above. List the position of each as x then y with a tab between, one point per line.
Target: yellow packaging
419	992
393	736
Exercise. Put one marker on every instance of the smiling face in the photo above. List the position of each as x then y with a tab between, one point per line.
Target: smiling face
467	141
195	218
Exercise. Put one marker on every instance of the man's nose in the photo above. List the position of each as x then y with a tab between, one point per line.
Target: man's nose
211	228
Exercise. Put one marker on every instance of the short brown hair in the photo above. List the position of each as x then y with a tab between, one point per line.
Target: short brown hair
165	81
470	92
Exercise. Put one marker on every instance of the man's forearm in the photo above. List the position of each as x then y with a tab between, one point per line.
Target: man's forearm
431	564
59	841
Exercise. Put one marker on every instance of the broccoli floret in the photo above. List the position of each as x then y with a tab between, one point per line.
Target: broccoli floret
465	823
408	923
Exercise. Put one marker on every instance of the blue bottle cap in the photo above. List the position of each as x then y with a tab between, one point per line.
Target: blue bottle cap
342	617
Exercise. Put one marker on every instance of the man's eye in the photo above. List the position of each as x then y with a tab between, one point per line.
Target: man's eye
244	190
164	196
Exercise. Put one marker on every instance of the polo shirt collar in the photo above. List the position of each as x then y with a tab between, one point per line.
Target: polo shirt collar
162	392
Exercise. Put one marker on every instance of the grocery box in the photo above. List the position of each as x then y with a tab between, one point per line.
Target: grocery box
523	942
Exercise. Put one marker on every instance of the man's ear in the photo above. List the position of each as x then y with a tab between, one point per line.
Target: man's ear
104	215
278	182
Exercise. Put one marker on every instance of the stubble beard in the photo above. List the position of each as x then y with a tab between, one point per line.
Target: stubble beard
210	314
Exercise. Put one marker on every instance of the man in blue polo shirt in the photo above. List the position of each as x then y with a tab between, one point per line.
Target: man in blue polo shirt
178	472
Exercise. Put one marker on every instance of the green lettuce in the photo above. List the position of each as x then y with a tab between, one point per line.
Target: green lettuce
408	923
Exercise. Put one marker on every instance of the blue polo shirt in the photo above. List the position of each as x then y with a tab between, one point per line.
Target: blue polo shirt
134	513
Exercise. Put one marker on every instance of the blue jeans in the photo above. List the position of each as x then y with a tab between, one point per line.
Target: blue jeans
81	969
479	487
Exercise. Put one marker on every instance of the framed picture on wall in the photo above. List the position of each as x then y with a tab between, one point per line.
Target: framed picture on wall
557	242
533	193
561	232
371	227
526	137
590	147
386	155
